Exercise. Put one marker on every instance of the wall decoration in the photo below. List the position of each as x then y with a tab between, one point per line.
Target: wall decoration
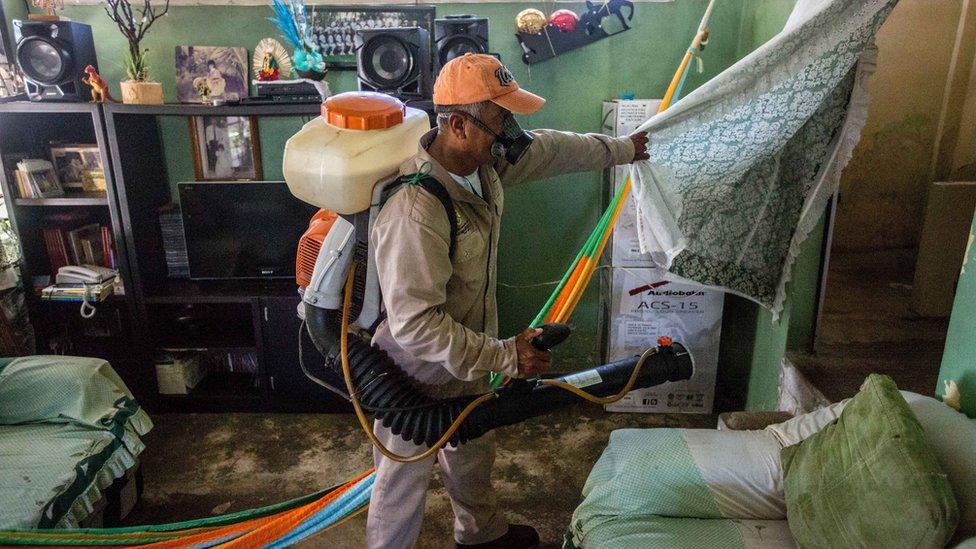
79	167
225	148
204	73
564	20
530	21
561	33
334	27
291	18
271	61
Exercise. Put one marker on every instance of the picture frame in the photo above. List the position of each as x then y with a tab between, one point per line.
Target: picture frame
79	166
334	27
226	148
205	73
37	178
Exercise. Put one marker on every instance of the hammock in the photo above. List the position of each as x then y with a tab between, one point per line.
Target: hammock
275	526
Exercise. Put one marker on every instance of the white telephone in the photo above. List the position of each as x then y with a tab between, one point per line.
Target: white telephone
92	277
84	274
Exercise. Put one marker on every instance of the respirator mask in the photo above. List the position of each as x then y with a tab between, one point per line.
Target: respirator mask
511	143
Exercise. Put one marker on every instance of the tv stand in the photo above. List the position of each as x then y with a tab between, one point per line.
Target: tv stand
249	329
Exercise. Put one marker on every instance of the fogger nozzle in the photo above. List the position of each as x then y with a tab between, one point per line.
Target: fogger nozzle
385	390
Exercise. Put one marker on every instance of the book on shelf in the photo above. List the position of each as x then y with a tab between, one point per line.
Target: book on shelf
72	239
108	251
86	245
38	178
76	292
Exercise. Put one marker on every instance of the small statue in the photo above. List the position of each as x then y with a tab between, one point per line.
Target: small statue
269	69
202	86
50	8
99	88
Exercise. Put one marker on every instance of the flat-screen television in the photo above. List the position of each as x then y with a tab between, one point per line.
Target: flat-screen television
240	230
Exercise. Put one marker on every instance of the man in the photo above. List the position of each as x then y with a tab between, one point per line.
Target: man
441	326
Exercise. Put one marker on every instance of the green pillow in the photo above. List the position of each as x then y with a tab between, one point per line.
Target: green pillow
869	479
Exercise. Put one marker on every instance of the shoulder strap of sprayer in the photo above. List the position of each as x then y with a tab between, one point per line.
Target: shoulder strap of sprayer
432	186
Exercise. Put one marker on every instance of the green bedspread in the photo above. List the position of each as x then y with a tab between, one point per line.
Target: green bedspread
68	428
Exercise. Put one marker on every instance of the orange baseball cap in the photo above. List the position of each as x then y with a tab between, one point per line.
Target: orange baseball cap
473	78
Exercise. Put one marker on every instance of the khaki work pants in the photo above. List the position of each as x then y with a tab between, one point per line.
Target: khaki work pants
396	508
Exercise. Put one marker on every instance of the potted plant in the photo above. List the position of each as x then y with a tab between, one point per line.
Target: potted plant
134	24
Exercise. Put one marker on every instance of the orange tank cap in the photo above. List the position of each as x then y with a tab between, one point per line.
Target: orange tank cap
363	111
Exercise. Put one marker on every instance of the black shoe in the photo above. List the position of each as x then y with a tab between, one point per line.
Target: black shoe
519	536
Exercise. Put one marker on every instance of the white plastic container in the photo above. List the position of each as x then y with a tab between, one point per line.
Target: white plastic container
334	161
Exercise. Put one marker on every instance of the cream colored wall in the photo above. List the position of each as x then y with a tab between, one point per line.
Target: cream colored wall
955	154
883	188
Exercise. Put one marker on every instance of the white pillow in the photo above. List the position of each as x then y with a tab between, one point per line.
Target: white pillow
953	435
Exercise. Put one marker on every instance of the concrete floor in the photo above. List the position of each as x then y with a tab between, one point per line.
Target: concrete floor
867	327
204	464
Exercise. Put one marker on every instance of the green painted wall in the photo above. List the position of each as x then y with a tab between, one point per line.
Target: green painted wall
545	222
959	360
803	290
749	377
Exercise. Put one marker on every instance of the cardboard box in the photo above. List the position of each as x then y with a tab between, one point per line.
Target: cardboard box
642	307
177	375
624	246
621	118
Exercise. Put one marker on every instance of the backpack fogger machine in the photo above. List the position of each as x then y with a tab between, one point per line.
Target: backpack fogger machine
347	162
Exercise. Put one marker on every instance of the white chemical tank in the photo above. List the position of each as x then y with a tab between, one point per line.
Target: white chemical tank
334	161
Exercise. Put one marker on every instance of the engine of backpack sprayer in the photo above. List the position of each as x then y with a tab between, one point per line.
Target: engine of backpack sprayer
335	162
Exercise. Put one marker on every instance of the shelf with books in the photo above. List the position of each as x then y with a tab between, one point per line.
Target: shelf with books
77	238
57	177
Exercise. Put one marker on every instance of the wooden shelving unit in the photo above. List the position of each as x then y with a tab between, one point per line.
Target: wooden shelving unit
257	318
184	109
30	129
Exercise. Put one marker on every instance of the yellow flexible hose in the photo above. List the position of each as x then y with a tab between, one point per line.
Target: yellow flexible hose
364	421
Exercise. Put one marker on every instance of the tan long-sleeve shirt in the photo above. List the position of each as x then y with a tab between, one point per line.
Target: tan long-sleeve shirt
441	315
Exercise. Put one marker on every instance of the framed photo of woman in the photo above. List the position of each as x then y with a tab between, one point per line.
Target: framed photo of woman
225	148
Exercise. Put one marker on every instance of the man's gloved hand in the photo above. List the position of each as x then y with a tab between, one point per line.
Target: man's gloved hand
531	361
640	146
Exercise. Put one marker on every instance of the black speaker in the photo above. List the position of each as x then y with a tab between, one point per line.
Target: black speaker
53	56
395	60
457	35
